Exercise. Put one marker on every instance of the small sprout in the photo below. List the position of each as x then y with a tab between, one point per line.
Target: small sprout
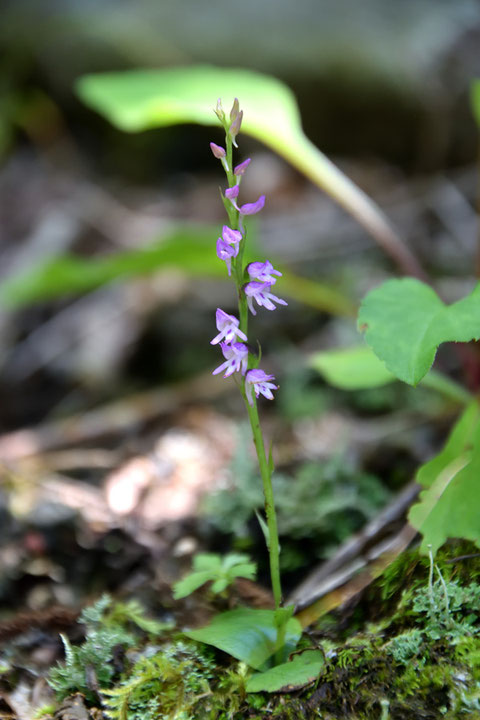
220	571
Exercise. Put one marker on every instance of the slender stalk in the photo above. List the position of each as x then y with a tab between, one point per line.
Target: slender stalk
273	544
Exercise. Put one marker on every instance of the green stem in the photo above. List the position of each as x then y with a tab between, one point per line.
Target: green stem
273	544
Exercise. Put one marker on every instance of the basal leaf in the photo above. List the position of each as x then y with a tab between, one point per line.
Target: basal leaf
248	635
301	670
140	99
405	321
448	507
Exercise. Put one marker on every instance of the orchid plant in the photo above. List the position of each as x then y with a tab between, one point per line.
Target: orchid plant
253	283
258	637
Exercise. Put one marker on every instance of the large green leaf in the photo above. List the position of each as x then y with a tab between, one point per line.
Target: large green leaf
248	635
448	507
405	321
140	99
302	669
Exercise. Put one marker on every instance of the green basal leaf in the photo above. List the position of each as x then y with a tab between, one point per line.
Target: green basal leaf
248	635
448	507
140	99
405	321
301	670
353	368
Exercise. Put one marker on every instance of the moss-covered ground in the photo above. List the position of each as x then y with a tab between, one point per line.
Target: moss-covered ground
408	648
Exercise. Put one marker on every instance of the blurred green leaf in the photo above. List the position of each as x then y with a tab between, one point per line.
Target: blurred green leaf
475	100
353	368
405	321
140	99
221	570
358	368
190	250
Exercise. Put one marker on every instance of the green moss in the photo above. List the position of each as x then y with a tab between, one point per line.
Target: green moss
419	658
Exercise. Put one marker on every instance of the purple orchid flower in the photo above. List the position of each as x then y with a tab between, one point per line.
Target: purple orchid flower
236	356
252	208
241	167
228	327
263	271
261	293
233	237
232	192
257	380
226	252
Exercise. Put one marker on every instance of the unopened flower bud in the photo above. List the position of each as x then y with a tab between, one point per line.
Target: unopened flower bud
217	150
235	109
219	112
235	127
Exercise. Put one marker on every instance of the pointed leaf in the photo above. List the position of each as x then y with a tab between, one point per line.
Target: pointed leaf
405	321
248	635
301	670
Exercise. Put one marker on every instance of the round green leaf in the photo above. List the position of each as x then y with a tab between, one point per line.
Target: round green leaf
405	321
